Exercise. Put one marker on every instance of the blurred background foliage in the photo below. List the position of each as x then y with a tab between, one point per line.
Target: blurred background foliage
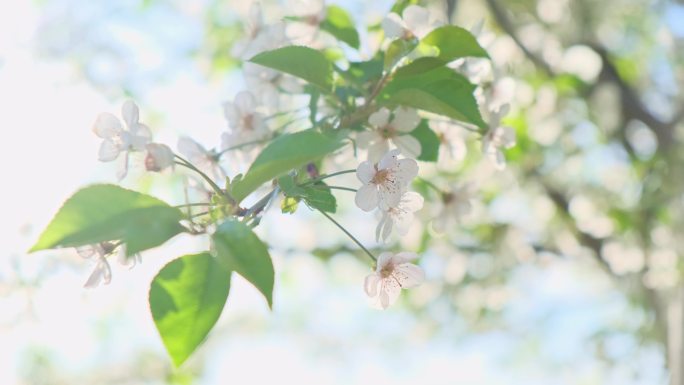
567	272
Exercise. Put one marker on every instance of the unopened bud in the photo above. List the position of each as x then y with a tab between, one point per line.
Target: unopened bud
159	156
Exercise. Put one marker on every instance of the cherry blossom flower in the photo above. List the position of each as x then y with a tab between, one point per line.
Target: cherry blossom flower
393	272
310	15
268	84
453	147
396	131
159	157
128	261
102	272
399	217
258	36
384	182
455	204
116	139
415	21
245	123
497	138
200	157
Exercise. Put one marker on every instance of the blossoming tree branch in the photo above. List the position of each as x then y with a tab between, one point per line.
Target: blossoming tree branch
413	102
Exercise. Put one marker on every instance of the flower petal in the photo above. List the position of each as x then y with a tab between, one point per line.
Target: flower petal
108	151
379	118
389	160
383	260
367	197
101	274
405	119
130	113
393	26
377	150
107	126
416	18
409	275
407	170
410	147
245	102
370	284
365	172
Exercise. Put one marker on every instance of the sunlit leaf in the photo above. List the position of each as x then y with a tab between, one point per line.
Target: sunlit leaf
453	43
429	142
303	62
186	299
339	24
101	213
240	250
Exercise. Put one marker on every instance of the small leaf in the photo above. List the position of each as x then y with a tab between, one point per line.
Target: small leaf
339	24
303	62
101	213
319	197
186	299
289	205
429	142
453	43
400	5
240	250
285	153
397	50
441	90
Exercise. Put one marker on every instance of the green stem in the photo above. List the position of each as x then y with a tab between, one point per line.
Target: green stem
260	205
335	188
322	177
194	205
349	235
189	165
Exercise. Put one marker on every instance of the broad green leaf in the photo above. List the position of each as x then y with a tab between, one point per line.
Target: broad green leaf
101	213
453	43
339	24
397	50
186	299
303	62
240	250
441	90
429	142
285	153
400	5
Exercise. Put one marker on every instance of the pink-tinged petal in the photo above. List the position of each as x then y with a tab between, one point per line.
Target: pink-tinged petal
389	160
507	137
101	274
409	275
365	172
405	256
130	113
403	222
410	147
367	197
370	285
383	260
108	151
232	114
405	119
107	126
387	229
141	130
378	149
412	201
159	157
407	170
379	118
389	292
123	168
245	102
190	149
378	228
416	18
390	194
393	26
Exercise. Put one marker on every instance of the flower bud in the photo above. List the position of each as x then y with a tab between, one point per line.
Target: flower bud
159	157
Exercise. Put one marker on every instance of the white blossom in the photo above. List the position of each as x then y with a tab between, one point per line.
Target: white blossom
200	157
455	204
396	131
268	84
258	36
498	138
385	181
399	217
159	157
415	21
452	142
310	14
245	123
393	272
102	272
117	139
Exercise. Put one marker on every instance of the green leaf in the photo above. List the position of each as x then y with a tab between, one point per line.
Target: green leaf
317	196
303	62
339	24
186	299
397	50
453	43
289	205
285	153
101	213
400	5
441	90
240	250
429	142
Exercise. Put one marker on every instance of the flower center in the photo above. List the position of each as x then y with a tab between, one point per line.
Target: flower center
387	271
248	122
387	131
381	177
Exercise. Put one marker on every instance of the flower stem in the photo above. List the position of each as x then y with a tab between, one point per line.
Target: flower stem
185	163
320	178
335	188
194	204
349	235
